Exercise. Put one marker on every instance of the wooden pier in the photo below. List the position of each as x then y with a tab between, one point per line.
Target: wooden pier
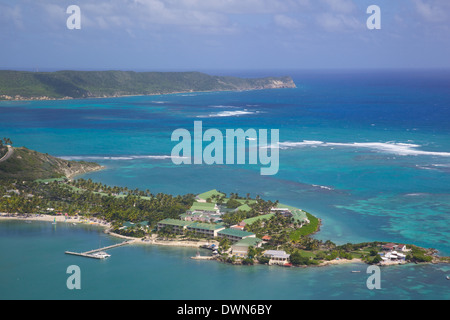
91	254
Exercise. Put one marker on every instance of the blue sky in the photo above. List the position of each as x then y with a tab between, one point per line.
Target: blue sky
145	35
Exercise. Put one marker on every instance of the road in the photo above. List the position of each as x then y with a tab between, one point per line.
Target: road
8	154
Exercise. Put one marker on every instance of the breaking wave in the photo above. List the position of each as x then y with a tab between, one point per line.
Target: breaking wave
228	113
99	158
403	149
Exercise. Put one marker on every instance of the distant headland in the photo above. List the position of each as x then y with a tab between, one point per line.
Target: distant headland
24	85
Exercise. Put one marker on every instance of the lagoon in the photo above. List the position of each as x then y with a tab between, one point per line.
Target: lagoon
34	266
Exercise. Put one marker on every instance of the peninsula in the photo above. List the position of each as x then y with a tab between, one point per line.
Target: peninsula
23	85
24	164
280	237
238	230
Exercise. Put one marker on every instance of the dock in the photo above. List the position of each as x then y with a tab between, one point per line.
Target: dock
91	253
203	258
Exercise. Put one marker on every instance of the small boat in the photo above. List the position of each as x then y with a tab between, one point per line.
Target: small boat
54	220
101	255
448	277
356	271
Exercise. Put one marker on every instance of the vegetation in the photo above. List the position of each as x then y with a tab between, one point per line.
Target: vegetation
20	193
419	255
27	164
89	199
83	84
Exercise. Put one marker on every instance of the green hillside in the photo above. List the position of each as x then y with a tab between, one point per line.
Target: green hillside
27	164
84	84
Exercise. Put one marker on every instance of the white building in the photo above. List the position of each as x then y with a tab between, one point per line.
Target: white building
277	257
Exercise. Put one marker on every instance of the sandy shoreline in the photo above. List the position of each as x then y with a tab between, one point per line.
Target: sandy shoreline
106	226
50	218
339	262
146	241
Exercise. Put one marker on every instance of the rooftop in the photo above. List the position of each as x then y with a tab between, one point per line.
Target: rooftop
277	254
248	242
175	222
205	226
202	206
209	194
129	224
236	233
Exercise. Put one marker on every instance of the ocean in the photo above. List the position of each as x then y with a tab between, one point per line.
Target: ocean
367	152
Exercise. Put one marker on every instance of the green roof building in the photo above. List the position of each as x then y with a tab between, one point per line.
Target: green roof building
207	229
130	224
203	206
176	226
234	234
240	248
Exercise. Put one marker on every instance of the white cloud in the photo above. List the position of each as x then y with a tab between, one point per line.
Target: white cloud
239	6
433	10
286	22
339	6
12	15
338	22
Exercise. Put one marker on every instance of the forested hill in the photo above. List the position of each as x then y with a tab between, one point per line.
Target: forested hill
25	164
17	85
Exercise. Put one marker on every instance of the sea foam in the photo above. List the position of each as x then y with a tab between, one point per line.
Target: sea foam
236	113
117	158
403	149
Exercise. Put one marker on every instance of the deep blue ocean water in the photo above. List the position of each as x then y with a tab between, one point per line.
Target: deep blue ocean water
367	152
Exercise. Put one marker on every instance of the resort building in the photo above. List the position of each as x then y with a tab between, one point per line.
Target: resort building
240	248
389	246
285	212
139	225
394	256
207	229
235	235
202	217
277	257
175	226
204	207
393	246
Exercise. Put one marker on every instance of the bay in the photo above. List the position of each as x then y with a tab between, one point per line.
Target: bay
368	153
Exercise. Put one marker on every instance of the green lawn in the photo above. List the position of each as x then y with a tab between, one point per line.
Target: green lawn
306	230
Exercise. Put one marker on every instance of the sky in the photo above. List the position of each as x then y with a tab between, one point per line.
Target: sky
171	35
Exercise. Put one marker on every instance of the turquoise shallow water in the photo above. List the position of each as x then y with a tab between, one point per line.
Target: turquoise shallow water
34	266
367	153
